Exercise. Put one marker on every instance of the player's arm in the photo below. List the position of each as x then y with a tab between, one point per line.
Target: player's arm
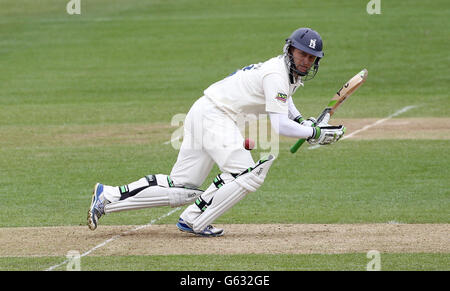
321	134
283	125
278	108
293	112
295	115
281	109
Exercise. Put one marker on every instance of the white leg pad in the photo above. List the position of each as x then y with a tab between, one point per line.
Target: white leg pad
155	196
193	211
225	198
231	193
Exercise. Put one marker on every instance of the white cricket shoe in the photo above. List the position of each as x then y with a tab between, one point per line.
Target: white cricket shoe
97	208
208	231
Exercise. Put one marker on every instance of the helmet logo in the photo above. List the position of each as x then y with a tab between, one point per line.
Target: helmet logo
312	43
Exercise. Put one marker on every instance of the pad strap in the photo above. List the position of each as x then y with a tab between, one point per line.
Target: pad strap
231	193
252	168
218	181
202	204
125	190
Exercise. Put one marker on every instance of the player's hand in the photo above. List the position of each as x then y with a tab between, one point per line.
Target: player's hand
325	135
325	120
311	122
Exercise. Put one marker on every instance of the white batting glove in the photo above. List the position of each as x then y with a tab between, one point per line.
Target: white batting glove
310	122
325	120
325	135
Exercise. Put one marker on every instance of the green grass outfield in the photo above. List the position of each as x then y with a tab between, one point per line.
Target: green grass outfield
315	262
135	64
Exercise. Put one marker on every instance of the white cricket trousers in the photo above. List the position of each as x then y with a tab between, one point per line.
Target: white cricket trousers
210	136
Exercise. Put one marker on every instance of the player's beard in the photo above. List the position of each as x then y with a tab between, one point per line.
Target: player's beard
294	73
294	70
303	70
307	74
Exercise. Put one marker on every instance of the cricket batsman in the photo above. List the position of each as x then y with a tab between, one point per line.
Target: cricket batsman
211	136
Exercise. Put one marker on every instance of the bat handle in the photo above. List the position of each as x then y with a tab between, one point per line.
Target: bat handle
297	145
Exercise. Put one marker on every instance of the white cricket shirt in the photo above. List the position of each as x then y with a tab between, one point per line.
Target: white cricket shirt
255	89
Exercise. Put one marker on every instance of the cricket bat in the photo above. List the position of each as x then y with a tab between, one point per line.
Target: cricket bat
340	96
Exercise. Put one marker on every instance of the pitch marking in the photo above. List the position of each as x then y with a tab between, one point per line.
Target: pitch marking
116	237
173	139
403	110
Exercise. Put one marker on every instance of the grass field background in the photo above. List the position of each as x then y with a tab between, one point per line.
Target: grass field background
66	80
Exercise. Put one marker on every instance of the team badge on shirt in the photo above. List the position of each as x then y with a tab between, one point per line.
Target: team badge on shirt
282	97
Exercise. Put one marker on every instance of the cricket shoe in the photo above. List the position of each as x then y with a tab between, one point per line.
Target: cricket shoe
208	231
97	208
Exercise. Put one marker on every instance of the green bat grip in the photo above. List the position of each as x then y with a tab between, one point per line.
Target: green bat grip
297	145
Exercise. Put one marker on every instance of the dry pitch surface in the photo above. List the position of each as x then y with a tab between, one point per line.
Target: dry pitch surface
239	239
85	135
248	239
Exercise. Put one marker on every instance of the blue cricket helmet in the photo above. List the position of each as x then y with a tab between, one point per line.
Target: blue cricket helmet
309	41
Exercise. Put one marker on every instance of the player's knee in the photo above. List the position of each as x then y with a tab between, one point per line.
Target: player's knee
178	195
252	178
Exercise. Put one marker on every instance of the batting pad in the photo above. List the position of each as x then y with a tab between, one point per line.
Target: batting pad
155	196
231	193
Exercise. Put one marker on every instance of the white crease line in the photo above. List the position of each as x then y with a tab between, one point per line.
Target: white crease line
173	139
116	237
403	110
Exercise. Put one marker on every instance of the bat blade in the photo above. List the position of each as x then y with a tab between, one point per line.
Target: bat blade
341	95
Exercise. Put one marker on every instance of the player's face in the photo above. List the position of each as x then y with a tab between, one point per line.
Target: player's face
303	60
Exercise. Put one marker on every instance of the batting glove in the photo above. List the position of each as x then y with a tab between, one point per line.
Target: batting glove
325	120
325	135
310	122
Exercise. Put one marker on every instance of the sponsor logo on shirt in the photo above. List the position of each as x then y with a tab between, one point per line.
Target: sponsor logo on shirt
282	97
